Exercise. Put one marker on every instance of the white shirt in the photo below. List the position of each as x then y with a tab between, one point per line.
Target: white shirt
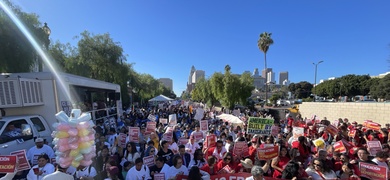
57	176
200	164
190	148
34	152
47	169
174	147
311	172
85	172
131	157
134	174
173	171
384	164
251	178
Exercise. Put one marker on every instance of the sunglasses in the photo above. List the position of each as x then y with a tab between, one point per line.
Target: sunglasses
228	159
318	165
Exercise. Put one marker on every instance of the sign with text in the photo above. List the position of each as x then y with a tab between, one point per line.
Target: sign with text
172	119
332	130
226	170
238	176
122	140
149	160
211	140
134	134
7	164
150	127
373	125
163	120
199	114
374	147
339	147
352	133
152	117
267	153
260	126
298	131
167	136
22	159
241	149
159	176
204	125
198	136
372	171
183	141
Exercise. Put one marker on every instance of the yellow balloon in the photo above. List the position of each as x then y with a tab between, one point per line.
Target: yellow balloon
74	152
62	134
76	163
83	132
84	145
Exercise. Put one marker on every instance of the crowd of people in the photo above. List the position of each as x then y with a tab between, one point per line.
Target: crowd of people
299	157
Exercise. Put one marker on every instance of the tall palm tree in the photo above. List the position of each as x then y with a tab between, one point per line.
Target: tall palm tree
263	43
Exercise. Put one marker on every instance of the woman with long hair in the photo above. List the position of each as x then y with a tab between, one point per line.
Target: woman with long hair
319	170
130	154
198	159
102	159
177	168
196	174
42	169
278	163
211	166
227	160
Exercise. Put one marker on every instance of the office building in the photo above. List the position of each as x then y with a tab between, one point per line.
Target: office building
282	77
167	82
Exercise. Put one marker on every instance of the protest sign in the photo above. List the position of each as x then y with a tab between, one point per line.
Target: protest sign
241	149
226	170
260	126
372	171
373	125
199	114
365	122
298	131
163	120
352	133
238	176
134	134
183	141
339	147
274	130
267	153
197	136
159	176
211	140
122	140
149	160
347	144
167	136
374	147
150	127
152	117
204	125
172	119
7	164
22	159
332	130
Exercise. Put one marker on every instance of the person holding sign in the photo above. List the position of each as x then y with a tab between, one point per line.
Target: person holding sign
139	171
166	153
280	162
217	151
319	170
177	168
191	146
226	161
42	169
130	154
159	167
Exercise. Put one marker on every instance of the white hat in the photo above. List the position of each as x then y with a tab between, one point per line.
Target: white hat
247	163
39	140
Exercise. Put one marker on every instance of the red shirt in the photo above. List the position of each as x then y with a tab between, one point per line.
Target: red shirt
252	153
222	164
207	169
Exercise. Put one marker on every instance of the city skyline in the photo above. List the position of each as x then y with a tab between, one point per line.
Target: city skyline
165	38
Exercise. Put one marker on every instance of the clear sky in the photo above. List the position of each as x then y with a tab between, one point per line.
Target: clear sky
165	38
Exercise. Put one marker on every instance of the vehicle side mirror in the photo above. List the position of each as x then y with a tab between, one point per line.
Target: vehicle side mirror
26	130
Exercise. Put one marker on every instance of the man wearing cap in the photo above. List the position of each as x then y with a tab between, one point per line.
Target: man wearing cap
59	174
39	149
197	131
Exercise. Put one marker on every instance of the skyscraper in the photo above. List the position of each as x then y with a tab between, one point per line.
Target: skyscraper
282	77
265	71
167	82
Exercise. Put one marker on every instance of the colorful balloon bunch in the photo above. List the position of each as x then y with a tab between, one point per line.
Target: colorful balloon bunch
74	139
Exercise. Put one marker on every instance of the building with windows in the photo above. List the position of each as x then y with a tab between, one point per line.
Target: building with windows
193	78
283	76
167	82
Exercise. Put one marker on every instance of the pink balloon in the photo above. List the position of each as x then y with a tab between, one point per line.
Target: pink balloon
73	132
63	141
64	148
72	140
91	137
63	127
73	146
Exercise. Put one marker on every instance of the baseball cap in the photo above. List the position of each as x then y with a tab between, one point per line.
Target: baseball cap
39	140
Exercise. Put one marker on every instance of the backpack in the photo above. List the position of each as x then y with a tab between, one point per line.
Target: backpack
89	172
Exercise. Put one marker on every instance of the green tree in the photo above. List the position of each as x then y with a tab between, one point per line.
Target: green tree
231	88
16	52
301	90
263	44
246	87
383	89
217	85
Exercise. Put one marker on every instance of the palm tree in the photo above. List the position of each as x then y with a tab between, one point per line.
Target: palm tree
263	43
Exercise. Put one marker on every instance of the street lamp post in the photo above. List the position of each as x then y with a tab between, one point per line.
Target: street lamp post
315	79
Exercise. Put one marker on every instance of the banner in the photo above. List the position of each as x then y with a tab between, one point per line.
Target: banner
204	125
152	117
164	121
150	127
260	126
352	133
267	153
339	147
332	130
298	131
198	136
365	122
7	164
374	147
134	134
373	125
172	119
149	160
122	140
238	176
159	176
211	140
372	171
241	149
22	159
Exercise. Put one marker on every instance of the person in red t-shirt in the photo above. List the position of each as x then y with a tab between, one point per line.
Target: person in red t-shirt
226	161
211	166
253	148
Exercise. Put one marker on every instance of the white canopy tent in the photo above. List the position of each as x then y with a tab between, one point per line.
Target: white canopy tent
160	98
231	119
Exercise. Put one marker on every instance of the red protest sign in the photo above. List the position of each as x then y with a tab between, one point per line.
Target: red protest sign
332	130
7	164
22	159
267	153
211	140
122	140
134	134
352	133
150	127
159	176
365	122
183	141
372	171
374	147
339	147
226	170
373	125
149	160
204	125
241	149
239	176
164	120
198	136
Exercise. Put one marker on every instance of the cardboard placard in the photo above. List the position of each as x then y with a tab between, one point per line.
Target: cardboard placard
339	147
183	141
159	176
152	117
347	144
332	130
238	176
352	133
298	131
149	160
122	140
241	149
267	153
199	114
373	125
204	125
226	170
7	164
365	122
22	158
211	140
260	126
198	136
372	171
167	136
163	120
374	147
150	127
172	119
134	134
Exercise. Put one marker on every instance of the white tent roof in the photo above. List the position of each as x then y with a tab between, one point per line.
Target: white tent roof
230	118
161	98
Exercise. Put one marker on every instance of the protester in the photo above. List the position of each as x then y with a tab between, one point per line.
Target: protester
59	174
257	173
211	166
139	171
318	170
39	149
177	168
166	153
198	159
280	162
159	167
196	174
42	169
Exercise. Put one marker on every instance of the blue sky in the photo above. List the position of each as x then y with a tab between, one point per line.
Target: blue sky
165	38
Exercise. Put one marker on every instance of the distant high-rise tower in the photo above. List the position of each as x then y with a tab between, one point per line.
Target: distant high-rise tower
265	71
282	77
193	78
271	77
258	81
198	74
167	82
191	73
